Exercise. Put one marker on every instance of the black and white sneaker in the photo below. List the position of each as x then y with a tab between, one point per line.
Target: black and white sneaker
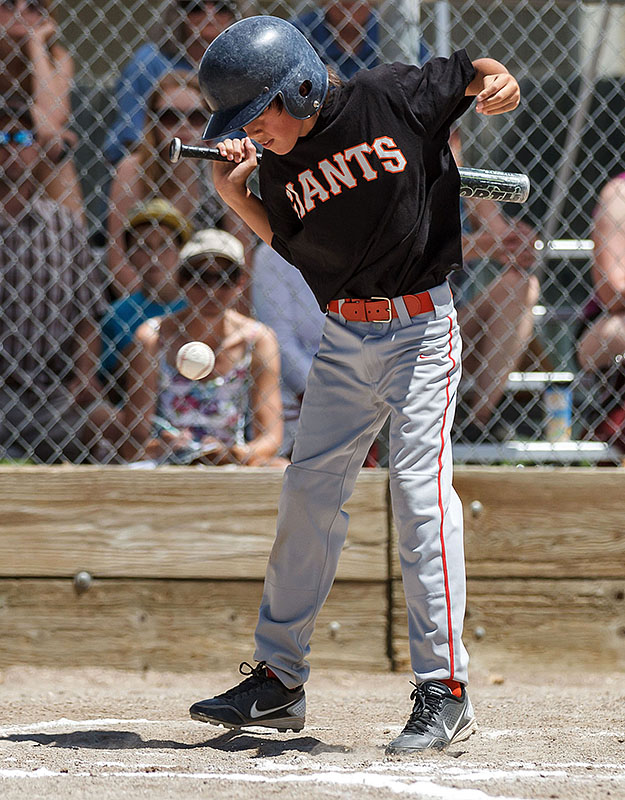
438	718
260	699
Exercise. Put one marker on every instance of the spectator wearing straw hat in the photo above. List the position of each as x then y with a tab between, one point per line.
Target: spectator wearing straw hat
154	234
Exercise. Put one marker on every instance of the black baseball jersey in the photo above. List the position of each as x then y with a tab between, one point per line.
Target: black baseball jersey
366	204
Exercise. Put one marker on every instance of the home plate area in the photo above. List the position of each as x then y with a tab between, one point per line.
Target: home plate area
112	734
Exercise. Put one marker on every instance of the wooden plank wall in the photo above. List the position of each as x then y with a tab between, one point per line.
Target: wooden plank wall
545	553
177	557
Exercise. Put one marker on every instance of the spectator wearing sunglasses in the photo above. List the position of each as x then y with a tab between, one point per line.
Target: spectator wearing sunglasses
35	70
50	295
168	414
154	235
175	108
189	26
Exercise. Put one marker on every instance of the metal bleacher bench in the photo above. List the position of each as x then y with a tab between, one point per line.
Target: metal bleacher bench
535	383
538	451
517	452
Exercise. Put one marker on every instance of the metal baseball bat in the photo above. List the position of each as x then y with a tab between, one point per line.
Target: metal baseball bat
507	187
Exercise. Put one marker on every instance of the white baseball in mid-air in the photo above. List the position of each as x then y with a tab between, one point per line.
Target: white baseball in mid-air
195	360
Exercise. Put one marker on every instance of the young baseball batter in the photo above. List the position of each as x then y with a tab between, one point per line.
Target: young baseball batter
360	192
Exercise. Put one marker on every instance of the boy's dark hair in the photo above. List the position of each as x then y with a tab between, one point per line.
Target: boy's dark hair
334	79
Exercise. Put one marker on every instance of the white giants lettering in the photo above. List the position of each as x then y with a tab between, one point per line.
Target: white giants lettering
333	173
312	188
387	156
295	200
368	173
339	174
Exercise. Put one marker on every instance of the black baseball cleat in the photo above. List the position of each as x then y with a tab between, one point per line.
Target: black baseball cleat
260	699
438	718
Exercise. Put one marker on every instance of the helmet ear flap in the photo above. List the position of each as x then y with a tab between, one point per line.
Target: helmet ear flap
303	98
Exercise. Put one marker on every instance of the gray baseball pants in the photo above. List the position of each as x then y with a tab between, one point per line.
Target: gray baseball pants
364	372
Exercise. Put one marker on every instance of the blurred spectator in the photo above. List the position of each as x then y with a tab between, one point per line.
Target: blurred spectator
168	413
50	294
283	302
175	108
347	35
601	345
189	26
496	321
155	233
36	71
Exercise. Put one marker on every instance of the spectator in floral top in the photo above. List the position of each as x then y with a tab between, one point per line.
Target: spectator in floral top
172	418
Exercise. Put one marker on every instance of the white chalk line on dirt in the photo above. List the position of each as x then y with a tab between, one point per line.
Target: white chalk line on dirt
493	733
468	770
511	770
387	775
426	790
41	772
620	766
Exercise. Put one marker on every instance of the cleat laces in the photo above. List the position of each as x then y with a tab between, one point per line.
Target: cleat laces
256	676
426	705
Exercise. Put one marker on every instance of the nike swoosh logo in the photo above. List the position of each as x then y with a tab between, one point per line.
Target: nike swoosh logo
450	731
255	713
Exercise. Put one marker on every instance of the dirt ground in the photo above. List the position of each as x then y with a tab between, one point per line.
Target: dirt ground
111	734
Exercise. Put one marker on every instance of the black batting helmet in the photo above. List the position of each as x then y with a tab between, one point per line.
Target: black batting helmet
251	63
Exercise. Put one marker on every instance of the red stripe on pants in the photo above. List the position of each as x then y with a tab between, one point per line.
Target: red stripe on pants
450	634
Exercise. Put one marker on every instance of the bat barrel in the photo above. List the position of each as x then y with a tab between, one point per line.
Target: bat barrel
510	187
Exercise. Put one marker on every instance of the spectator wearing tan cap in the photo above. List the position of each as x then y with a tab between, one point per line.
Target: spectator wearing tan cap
172	418
153	237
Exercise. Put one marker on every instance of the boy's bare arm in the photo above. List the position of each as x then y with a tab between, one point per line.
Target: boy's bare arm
494	87
230	179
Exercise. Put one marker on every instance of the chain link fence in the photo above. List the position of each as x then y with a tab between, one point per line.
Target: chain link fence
108	266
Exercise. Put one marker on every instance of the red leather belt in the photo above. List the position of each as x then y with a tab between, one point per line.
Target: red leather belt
380	309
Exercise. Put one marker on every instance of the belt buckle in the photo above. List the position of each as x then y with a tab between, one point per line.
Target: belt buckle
389	309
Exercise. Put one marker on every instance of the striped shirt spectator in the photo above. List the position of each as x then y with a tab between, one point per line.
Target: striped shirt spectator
50	295
49	286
